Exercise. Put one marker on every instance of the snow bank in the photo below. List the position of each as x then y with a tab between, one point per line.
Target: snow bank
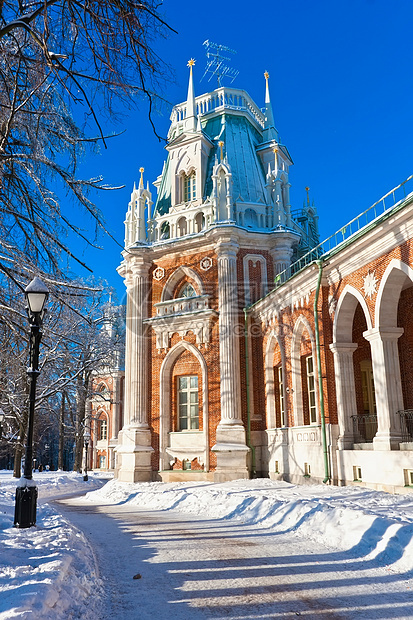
50	569
377	525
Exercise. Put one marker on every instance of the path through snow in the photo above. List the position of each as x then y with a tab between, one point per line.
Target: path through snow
193	568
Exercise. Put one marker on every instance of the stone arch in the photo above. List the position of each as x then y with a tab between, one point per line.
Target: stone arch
272	343
199	222
176	277
301	325
343	349
388	296
165	399
250	218
182	227
344	315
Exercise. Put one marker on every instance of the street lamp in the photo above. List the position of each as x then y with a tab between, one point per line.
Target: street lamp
86	438
36	294
2	416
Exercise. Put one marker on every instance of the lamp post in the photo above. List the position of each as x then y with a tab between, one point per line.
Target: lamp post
86	438
36	294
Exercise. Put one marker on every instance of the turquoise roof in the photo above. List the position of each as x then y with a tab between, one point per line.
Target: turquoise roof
240	139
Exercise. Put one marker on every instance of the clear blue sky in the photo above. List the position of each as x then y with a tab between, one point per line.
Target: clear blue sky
341	81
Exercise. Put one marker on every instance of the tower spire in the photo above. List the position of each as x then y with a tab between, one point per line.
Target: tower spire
191	118
270	133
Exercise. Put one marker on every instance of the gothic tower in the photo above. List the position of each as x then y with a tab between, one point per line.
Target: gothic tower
220	231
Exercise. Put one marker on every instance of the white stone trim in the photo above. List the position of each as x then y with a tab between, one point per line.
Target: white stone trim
344	315
176	276
392	282
199	322
272	342
300	325
254	258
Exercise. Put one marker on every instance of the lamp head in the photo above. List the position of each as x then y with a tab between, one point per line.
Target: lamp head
36	294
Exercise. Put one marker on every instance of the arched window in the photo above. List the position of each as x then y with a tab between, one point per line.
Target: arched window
182	227
199	222
165	230
187	291
190	187
250	218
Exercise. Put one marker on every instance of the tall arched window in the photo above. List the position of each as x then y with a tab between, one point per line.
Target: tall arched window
190	187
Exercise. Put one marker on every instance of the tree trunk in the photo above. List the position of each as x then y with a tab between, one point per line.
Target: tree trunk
61	433
18	454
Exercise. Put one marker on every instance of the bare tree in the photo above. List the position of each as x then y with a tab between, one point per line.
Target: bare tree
54	54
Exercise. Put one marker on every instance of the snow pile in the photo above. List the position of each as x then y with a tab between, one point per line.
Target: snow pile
47	570
378	524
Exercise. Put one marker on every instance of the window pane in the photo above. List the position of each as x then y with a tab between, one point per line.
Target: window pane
183	424
194	424
194	382
194	411
310	367
183	383
194	397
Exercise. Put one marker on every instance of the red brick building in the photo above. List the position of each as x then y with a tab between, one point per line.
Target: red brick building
312	381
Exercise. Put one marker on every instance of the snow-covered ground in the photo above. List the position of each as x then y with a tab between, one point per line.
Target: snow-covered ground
49	572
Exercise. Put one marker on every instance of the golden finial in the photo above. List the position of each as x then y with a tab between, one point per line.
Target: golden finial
266	75
191	62
221	145
307	189
141	170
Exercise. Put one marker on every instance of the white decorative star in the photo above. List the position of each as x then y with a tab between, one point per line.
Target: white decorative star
370	284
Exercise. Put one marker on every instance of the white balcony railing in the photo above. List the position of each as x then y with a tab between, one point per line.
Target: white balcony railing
183	305
229	98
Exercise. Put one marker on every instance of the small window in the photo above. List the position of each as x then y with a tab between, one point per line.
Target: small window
311	389
102	461
165	230
367	386
188	407
357	475
103	429
199	222
187	291
190	187
182	227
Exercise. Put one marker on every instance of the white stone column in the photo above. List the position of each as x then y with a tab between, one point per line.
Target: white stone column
345	391
229	334
116	405
387	385
231	448
134	449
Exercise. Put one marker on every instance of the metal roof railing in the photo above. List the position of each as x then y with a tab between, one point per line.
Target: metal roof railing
357	225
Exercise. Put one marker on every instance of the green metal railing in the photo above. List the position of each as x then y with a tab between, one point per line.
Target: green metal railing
356	225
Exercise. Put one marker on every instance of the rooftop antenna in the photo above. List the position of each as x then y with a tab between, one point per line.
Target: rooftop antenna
215	65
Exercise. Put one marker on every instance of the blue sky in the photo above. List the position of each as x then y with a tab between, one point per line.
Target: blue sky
341	82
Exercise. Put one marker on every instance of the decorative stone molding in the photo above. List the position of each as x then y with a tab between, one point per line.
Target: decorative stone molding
206	263
370	284
254	258
199	323
159	273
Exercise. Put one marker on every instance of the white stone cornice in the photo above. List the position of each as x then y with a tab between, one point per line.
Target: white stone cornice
199	323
